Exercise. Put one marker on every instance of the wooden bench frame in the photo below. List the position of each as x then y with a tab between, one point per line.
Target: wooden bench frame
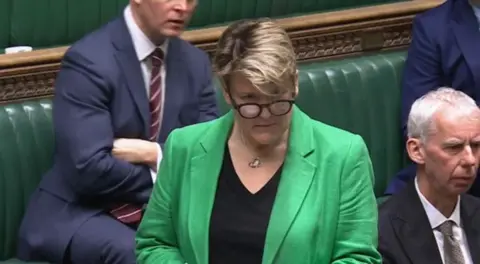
315	37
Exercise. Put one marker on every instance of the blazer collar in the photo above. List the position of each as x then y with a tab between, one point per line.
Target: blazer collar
413	228
297	175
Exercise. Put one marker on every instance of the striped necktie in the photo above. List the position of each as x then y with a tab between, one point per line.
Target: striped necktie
155	100
130	213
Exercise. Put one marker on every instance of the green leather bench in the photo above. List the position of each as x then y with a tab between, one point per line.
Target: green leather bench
55	23
361	95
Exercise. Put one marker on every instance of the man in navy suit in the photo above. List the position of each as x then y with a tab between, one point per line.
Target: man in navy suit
445	51
120	91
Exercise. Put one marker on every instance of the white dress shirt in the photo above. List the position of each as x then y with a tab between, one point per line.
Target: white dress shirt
144	48
436	219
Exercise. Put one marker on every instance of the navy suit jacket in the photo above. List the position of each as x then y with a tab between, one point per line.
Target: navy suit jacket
99	96
445	51
406	236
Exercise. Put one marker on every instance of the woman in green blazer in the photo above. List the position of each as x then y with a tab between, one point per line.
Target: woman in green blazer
264	183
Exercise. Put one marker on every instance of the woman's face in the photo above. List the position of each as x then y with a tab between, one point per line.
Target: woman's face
263	119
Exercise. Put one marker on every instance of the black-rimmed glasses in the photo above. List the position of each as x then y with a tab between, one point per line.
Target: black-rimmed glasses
254	110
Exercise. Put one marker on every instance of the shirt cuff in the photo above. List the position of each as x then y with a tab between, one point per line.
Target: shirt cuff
159	159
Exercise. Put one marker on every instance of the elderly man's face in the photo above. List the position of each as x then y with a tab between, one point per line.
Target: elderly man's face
451	153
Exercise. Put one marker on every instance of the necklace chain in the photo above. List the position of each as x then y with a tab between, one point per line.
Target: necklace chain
255	162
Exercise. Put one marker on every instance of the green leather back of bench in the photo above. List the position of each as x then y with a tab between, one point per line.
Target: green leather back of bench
361	95
49	23
4	23
26	153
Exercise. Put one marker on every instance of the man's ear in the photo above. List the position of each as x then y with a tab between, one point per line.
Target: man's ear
416	150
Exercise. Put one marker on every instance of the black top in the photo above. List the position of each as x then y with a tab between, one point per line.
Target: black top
239	219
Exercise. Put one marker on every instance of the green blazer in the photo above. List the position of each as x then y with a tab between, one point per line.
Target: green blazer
324	212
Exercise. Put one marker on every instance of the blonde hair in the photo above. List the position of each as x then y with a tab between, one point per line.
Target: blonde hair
261	51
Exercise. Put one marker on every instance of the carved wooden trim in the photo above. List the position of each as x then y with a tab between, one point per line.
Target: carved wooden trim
315	37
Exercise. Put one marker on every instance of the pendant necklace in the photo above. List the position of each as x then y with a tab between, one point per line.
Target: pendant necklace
255	162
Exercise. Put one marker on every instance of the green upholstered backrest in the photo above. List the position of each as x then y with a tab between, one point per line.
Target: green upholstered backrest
26	153
5	15
360	94
50	23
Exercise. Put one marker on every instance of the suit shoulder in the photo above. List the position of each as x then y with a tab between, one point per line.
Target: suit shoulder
188	48
95	47
431	17
192	55
471	201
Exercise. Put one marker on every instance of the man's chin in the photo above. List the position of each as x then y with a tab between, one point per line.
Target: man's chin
172	32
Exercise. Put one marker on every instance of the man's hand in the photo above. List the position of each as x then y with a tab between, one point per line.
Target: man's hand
136	151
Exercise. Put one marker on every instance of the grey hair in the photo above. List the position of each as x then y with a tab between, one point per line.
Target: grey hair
420	120
259	49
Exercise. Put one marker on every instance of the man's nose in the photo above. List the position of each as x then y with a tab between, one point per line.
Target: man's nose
181	5
469	157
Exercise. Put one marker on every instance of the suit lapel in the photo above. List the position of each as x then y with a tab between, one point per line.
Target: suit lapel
296	179
466	31
176	85
470	214
414	230
131	71
205	168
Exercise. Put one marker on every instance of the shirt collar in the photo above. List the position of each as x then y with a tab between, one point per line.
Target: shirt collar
142	44
434	216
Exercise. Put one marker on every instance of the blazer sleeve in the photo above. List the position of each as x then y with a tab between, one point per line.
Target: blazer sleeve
422	71
155	238
356	235
208	102
84	135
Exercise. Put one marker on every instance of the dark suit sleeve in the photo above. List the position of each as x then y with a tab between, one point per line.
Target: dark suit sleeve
208	103
422	70
84	135
386	236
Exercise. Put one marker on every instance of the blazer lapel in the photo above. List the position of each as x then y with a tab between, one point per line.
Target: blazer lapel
414	230
467	33
130	67
176	85
205	168
470	213
296	179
